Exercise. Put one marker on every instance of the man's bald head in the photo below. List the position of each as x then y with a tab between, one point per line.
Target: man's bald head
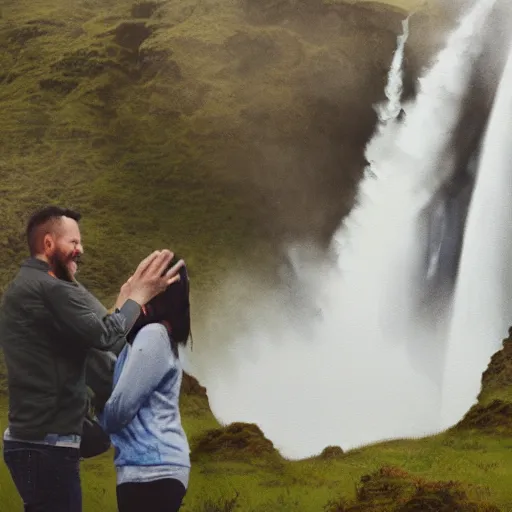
49	220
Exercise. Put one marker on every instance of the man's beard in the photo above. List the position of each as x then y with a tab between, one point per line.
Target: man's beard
59	263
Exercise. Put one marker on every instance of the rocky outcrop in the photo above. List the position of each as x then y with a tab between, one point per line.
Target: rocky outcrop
493	411
331	452
190	386
235	441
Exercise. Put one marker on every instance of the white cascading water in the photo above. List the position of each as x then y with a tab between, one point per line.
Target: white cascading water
351	364
482	311
388	112
391	109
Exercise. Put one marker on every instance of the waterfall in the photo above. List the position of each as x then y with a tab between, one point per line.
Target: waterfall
389	111
482	309
382	244
357	365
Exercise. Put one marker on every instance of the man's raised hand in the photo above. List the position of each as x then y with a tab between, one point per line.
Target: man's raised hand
150	278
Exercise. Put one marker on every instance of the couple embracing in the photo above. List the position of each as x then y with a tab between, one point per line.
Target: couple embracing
58	340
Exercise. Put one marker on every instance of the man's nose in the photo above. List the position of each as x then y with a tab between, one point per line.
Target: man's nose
78	250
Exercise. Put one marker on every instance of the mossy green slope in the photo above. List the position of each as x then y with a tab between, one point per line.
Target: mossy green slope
208	126
71	135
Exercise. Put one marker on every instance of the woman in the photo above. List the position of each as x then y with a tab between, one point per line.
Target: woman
142	415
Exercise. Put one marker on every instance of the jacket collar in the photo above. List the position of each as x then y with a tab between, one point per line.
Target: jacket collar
45	267
36	263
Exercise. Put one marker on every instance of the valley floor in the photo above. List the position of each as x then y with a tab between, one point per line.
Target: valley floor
264	484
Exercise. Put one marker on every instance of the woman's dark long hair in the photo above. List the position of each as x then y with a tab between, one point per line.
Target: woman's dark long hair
170	308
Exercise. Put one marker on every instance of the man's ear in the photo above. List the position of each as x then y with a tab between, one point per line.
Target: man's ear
48	243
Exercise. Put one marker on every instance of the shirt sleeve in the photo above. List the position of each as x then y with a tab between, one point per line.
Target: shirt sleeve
74	318
148	362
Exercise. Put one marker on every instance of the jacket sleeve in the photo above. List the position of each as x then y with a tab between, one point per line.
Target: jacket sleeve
101	311
149	360
99	372
76	321
99	376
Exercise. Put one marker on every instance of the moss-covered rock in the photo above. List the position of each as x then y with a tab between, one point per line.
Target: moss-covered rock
391	489
331	452
190	386
493	410
237	440
497	378
194	401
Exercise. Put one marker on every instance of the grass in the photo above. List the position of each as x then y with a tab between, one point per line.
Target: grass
236	468
482	463
467	468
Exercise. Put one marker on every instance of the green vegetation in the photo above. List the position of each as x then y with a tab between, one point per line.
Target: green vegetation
204	125
218	127
466	469
460	470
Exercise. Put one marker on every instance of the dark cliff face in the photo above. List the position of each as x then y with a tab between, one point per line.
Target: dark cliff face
307	153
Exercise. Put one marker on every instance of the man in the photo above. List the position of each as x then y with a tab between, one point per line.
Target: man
48	326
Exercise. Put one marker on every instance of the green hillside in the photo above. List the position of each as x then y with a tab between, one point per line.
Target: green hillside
211	126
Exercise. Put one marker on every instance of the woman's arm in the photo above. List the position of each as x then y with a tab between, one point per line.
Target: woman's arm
147	364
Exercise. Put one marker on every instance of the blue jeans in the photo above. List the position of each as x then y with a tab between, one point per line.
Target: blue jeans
47	477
